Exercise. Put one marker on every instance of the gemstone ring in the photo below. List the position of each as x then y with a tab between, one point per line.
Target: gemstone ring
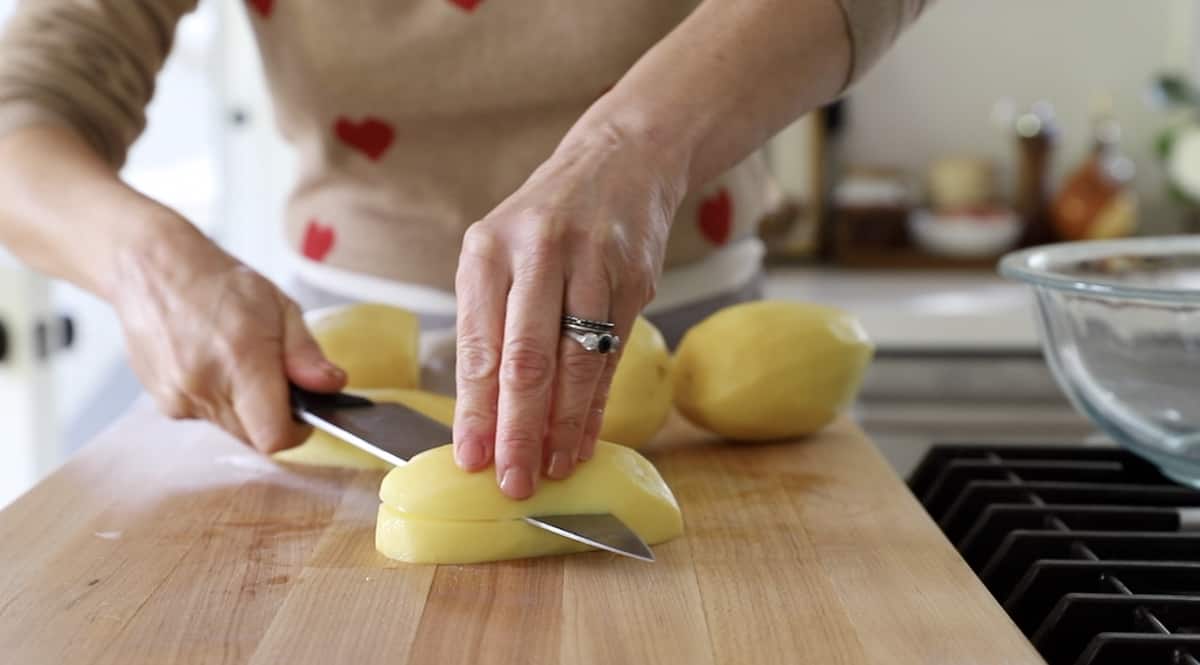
593	336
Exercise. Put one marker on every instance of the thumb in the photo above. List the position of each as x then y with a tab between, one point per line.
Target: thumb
303	360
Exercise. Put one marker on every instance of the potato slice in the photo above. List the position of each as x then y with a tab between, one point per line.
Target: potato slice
376	344
416	540
433	512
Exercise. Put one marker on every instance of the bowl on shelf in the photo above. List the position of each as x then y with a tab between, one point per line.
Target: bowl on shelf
1120	328
967	234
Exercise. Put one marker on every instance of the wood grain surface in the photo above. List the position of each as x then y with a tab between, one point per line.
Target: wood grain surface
166	542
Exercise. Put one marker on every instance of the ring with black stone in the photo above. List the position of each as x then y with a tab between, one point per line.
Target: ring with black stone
595	342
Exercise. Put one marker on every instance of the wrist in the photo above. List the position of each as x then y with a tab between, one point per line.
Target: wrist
650	157
158	250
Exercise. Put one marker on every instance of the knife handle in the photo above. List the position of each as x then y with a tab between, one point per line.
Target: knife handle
306	400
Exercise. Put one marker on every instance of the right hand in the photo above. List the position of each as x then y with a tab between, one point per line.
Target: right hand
210	338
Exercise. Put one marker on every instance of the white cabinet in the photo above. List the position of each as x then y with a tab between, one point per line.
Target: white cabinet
29	442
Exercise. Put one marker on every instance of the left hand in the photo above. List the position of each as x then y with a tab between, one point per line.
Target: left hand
584	235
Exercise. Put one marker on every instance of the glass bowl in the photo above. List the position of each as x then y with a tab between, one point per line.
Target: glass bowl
1120	328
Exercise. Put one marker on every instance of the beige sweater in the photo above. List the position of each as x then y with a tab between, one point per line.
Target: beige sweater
412	118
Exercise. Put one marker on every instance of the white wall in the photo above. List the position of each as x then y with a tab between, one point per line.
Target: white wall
934	93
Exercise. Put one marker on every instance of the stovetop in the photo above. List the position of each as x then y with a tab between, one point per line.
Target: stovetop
1093	553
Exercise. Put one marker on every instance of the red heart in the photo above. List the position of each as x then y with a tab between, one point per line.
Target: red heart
467	5
716	217
371	136
264	7
318	240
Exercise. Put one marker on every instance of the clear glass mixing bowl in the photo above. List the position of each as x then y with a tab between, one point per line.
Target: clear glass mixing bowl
1120	328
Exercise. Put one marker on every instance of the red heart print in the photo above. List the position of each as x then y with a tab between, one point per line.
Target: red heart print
467	5
318	240
716	217
263	7
371	136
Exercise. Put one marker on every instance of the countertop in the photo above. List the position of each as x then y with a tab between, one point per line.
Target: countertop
165	542
920	310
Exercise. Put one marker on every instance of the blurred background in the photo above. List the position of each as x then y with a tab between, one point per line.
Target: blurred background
990	126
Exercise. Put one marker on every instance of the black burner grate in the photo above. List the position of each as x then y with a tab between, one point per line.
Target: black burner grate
1093	553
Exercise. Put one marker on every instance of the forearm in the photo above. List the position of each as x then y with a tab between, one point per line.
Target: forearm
64	211
723	82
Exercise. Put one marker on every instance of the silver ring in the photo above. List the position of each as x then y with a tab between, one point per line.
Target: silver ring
577	323
595	342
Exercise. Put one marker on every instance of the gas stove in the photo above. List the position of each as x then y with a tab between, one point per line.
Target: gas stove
1093	553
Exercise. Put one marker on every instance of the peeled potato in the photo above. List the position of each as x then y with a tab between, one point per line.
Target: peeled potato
417	540
321	449
433	512
376	344
770	370
640	399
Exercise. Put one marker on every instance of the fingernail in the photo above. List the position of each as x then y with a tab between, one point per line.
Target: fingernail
560	465
332	371
516	483
470	455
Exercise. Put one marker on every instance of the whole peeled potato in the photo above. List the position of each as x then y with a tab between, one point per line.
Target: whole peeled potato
376	344
640	398
770	370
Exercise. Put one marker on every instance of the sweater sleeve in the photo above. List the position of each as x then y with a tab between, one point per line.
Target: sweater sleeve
86	64
873	25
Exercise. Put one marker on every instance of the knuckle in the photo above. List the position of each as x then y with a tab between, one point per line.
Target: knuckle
526	366
579	367
546	234
518	442
570	424
594	423
603	239
639	284
477	359
185	386
241	338
174	404
535	262
480	242
475	422
648	290
601	398
274	436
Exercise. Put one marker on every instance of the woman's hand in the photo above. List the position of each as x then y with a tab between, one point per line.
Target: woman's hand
212	339
585	235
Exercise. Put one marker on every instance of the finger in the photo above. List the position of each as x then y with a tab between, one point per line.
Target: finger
625	311
260	399
527	364
480	288
595	413
224	416
303	360
215	408
578	374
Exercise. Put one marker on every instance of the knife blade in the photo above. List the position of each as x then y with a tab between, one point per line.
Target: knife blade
602	531
392	432
395	433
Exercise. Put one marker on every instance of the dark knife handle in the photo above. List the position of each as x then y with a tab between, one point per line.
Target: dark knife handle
306	400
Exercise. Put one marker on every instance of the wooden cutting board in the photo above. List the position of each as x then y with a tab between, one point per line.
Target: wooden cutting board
166	542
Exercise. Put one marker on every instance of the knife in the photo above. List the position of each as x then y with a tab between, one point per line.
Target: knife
395	433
